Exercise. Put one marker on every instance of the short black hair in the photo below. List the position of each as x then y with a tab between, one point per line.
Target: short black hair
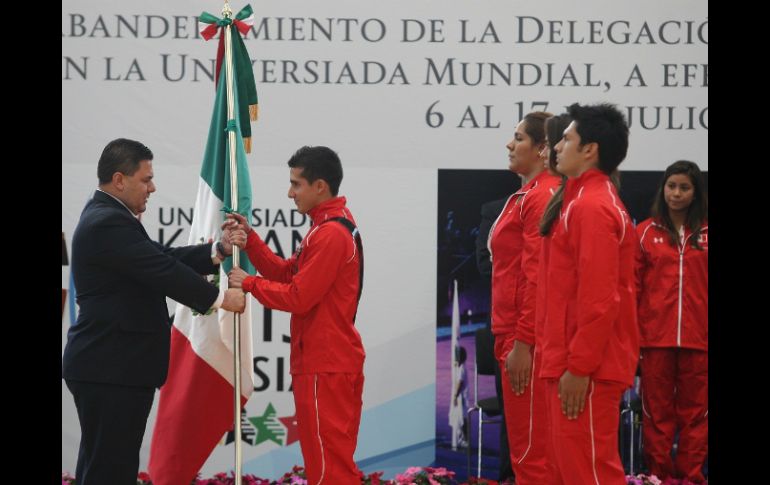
121	155
319	162
604	124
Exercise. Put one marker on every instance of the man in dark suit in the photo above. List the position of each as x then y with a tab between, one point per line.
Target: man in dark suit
117	351
490	211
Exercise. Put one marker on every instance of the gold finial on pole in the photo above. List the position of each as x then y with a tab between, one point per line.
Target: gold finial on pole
227	12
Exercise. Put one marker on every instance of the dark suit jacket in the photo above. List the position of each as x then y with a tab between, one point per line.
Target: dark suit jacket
122	278
489	213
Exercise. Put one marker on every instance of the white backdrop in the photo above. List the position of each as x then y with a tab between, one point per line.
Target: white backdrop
399	89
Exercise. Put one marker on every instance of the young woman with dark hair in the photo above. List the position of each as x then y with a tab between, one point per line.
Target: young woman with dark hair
673	323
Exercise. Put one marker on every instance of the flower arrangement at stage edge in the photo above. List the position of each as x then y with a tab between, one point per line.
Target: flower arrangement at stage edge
374	479
653	480
425	476
642	479
219	479
295	477
411	476
143	478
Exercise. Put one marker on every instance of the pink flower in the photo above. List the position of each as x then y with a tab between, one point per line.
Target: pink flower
374	478
403	478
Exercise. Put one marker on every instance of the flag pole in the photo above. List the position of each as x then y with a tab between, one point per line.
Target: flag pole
227	13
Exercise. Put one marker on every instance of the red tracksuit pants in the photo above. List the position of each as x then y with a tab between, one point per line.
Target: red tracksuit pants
525	419
586	449
328	414
675	396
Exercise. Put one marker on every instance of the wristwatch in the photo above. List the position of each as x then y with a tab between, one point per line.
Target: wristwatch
221	250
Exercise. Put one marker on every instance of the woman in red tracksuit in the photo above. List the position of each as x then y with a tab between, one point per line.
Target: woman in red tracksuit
514	245
673	322
590	339
554	127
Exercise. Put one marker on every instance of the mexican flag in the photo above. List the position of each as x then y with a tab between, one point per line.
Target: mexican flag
196	402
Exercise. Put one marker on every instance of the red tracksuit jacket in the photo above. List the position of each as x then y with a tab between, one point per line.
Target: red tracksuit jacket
673	289
319	286
590	324
514	248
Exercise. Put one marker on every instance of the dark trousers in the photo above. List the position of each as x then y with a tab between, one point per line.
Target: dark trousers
112	422
505	470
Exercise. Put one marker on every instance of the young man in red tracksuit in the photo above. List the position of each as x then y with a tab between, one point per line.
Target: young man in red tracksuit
590	335
320	286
